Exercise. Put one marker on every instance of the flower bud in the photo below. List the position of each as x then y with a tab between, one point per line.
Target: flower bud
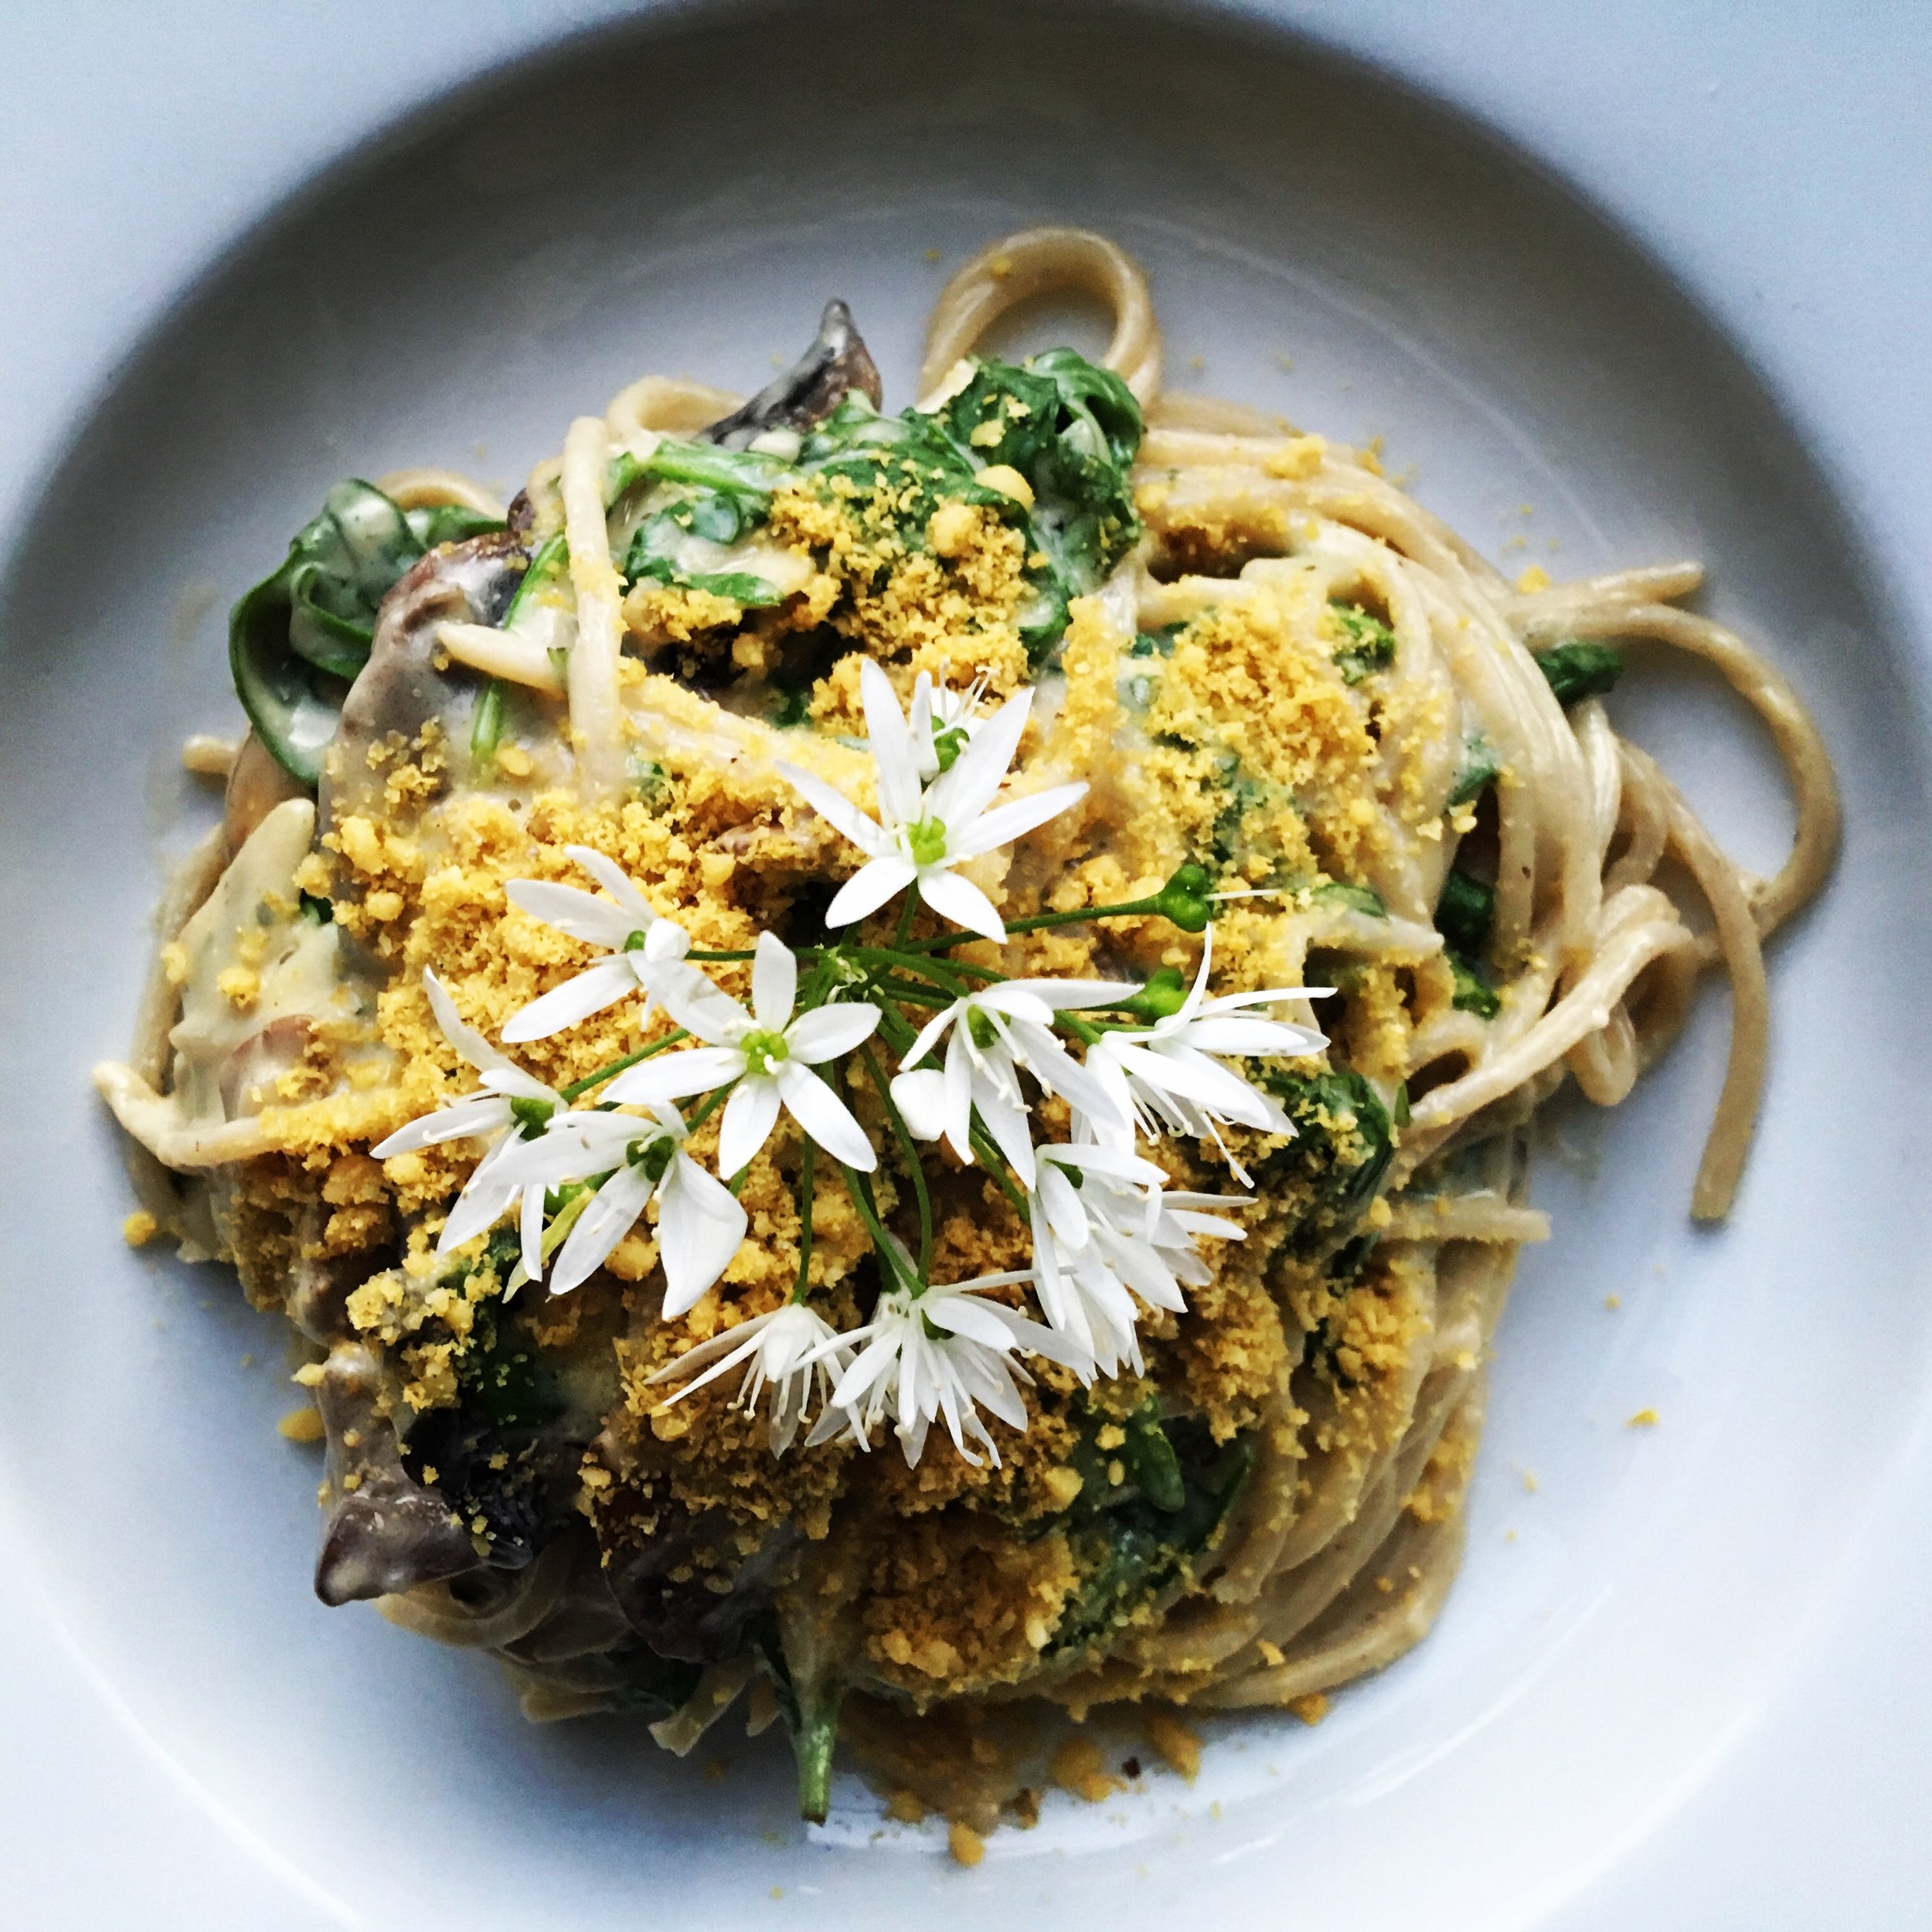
1165	993
1184	899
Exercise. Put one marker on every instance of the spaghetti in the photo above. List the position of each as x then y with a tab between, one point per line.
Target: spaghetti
1197	1426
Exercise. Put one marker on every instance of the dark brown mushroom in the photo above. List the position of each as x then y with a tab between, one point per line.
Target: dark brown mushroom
316	1285
690	1590
384	1532
403	687
257	784
836	363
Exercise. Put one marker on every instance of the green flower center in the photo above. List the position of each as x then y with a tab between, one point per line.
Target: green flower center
1186	899
1165	994
948	744
980	1027
634	942
925	841
764	1050
653	1156
531	1115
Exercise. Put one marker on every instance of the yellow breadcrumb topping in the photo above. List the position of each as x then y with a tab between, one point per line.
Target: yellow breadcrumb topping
1080	1767
1179	1746
967	1846
301	1425
1232	739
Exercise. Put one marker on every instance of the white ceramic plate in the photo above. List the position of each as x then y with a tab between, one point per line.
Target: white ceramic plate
1320	244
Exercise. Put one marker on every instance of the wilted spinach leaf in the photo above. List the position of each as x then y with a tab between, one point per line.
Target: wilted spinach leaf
1358	899
298	639
1133	1539
1577	669
1368	644
1475	993
485	1450
1343	1143
1465	913
1479	767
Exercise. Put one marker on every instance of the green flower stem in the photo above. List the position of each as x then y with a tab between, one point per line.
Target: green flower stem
867	1211
719	959
814	1738
486	724
921	966
914	961
985	1148
1040	922
860	1189
908	912
808	1161
712	1103
820	981
895	1028
616	1067
978	971
902	989
550	554
1185	899
909	1150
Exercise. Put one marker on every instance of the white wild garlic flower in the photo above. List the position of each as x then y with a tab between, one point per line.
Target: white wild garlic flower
643	950
923	830
943	1355
700	1225
511	1106
766	1056
995	1031
792	1350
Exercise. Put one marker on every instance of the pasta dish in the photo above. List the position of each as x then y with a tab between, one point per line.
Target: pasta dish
884	1061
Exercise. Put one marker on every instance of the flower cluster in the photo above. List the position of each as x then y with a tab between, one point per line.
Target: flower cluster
973	1048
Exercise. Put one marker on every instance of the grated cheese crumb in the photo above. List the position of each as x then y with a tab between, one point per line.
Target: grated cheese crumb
1079	1767
1007	480
1180	1747
950	528
966	1844
240	985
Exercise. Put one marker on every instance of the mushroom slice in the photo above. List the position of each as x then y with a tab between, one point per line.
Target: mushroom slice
257	784
669	1593
409	678
837	362
385	1532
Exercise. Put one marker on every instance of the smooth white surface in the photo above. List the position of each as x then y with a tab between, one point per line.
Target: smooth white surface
1778	166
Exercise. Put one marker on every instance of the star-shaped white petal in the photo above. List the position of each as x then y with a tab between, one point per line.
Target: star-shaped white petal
924	831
